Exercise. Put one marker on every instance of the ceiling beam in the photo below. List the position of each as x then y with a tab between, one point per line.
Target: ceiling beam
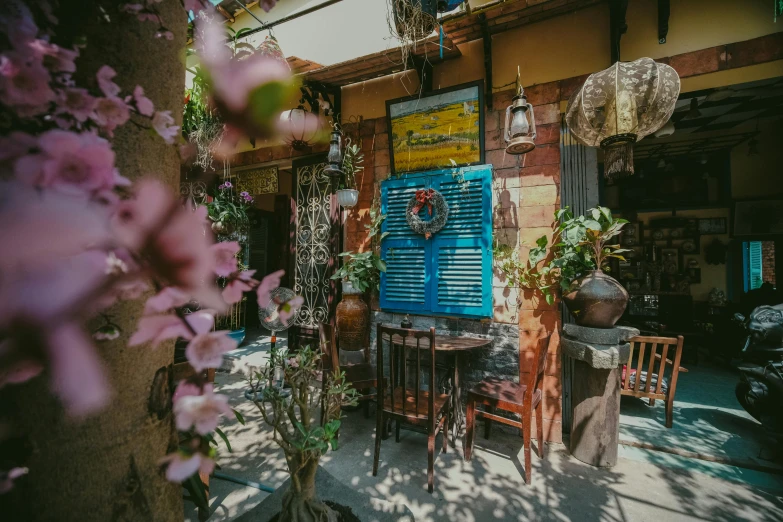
617	26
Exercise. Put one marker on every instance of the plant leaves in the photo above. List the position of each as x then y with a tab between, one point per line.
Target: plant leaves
225	439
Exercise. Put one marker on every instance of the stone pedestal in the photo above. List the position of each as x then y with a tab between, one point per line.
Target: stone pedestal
595	390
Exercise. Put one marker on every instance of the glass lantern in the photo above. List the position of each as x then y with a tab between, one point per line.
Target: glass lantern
520	125
335	157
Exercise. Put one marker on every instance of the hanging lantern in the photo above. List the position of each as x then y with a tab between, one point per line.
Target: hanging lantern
334	157
520	123
271	48
299	127
621	105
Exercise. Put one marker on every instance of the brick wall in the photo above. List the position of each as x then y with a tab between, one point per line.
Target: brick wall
768	262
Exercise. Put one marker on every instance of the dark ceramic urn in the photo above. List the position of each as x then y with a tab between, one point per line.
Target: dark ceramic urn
596	300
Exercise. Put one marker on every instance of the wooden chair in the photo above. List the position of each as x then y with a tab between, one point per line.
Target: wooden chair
413	405
520	398
360	375
633	377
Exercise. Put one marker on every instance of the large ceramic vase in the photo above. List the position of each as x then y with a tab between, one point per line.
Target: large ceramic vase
596	300
353	320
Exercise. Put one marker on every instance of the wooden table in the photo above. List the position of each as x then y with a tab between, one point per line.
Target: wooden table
455	345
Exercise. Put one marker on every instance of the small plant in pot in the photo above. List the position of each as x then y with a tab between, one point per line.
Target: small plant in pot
347	194
360	272
300	430
581	247
228	210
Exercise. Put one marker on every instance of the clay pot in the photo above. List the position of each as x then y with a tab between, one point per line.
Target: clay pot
596	300
353	320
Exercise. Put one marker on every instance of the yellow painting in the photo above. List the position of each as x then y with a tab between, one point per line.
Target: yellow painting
428	133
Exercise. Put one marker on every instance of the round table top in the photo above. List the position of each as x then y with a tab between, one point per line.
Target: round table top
451	343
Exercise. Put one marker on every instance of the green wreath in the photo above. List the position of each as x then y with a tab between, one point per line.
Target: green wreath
427	198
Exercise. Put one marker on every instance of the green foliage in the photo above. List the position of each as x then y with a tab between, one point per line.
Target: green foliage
352	164
579	244
363	270
228	208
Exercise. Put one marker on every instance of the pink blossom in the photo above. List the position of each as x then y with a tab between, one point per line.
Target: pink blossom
143	104
105	75
148	17
165	300
15	145
7	478
16	367
185	388
236	286
77	373
290	308
268	284
71	163
110	113
16	22
201	412
206	350
77	102
158	328
196	5
24	84
225	257
179	466
163	124
171	237
132	8
267	5
55	58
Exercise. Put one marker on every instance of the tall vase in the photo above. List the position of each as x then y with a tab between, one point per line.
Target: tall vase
353	320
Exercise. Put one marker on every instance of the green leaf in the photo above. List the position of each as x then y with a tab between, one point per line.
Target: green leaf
225	439
592	224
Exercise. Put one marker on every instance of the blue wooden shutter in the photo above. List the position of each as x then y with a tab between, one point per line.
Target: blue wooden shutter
755	270
462	253
407	254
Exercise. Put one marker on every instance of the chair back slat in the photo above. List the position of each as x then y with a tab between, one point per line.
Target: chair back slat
662	367
398	362
639	363
330	357
650	368
536	376
628	366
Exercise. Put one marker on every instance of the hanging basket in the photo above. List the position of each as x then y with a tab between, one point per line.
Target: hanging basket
434	202
415	17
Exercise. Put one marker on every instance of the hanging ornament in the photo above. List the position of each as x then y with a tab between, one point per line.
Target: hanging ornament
271	48
621	105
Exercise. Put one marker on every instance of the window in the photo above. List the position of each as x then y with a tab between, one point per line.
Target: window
754	265
450	273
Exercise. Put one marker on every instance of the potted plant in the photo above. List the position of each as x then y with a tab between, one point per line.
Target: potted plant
303	436
228	210
347	194
575	268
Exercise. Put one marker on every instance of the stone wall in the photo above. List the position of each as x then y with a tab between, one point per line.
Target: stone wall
768	262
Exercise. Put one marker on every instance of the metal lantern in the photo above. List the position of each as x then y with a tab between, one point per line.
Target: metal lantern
301	127
621	105
335	157
520	125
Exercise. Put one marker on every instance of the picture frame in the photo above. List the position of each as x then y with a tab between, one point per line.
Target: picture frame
428	131
757	218
669	256
714	225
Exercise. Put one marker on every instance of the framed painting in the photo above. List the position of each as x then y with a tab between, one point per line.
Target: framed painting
758	218
716	225
438	130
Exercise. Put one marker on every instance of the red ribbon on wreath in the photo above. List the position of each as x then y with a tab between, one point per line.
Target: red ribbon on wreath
423	197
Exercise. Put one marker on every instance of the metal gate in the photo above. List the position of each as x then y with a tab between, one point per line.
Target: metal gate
317	244
580	191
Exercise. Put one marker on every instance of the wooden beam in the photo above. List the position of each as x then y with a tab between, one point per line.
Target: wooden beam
617	26
487	38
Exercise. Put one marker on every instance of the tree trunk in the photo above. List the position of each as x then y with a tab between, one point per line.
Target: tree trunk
106	467
300	502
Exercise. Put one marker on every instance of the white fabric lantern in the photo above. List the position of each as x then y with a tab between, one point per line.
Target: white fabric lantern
621	105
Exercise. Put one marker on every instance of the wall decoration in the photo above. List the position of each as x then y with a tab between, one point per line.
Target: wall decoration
428	132
257	181
758	218
432	201
717	225
671	260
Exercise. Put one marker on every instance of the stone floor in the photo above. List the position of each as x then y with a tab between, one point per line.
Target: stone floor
490	488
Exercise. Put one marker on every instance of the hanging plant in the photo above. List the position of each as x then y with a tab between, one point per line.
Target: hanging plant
411	21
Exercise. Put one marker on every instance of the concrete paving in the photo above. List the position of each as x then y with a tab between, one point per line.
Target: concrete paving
491	487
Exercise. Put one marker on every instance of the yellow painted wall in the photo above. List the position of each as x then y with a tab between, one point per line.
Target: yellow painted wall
762	175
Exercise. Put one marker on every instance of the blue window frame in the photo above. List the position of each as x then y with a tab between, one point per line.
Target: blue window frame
450	273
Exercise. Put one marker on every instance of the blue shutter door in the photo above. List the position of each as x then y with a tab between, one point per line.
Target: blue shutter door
755	262
462	283
407	254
